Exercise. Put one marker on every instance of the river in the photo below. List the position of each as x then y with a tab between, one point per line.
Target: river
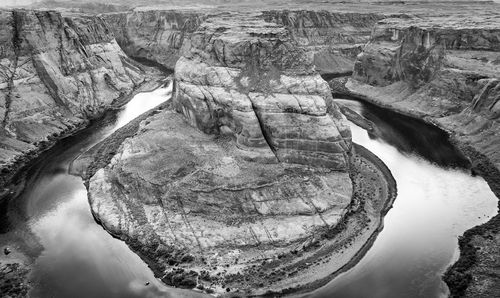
437	201
79	258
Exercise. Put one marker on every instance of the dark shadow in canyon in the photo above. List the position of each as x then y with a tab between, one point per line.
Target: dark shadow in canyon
411	135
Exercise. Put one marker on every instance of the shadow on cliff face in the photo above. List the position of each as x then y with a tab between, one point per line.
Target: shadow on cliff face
410	135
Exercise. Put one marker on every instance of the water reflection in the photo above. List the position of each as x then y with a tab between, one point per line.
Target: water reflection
409	135
79	258
434	206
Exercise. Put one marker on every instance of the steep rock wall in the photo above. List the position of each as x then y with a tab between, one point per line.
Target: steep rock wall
155	36
248	175
449	74
334	38
446	72
400	51
55	74
247	78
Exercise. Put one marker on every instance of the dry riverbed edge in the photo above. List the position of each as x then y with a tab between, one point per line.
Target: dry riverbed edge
340	249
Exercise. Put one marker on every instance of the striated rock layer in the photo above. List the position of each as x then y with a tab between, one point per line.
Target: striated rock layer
154	35
446	72
194	203
252	82
334	38
247	188
56	73
204	213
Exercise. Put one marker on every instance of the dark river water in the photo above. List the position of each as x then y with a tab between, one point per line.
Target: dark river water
436	203
79	258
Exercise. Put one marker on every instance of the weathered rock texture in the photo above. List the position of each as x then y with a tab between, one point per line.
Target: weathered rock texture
153	35
446	72
248	79
334	38
189	202
247	187
55	74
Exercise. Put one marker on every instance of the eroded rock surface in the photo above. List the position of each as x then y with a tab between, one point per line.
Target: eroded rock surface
192	202
244	184
204	213
248	79
446	72
154	35
56	73
334	38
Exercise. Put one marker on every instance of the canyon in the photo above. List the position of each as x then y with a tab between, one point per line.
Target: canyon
57	74
252	197
228	188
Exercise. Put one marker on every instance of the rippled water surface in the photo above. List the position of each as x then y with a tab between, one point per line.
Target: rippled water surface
435	204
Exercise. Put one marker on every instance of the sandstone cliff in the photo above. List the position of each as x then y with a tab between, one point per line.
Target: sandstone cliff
254	83
152	35
334	38
56	73
446	72
248	188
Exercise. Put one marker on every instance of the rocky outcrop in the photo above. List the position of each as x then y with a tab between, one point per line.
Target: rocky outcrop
252	82
203	213
154	35
253	185
446	72
56	73
199	207
334	38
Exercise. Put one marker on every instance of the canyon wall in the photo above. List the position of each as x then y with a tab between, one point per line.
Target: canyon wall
447	72
251	83
154	35
243	183
56	73
334	38
254	83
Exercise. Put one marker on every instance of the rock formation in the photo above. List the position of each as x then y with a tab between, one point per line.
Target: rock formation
247	187
446	72
56	73
254	83
152	35
334	38
260	146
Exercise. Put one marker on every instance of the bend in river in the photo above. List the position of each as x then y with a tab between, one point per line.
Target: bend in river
79	258
436	203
